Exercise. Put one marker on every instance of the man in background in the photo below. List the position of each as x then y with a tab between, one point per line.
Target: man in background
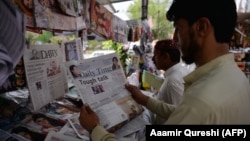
167	58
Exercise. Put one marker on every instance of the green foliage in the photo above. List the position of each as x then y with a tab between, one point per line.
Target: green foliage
107	45
161	29
57	39
45	37
93	44
118	47
31	37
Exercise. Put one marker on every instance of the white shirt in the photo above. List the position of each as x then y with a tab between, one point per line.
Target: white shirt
171	90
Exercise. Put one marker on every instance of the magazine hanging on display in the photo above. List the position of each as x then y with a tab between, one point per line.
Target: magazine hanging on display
73	50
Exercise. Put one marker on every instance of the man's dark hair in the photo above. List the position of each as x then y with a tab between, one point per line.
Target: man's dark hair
168	46
221	13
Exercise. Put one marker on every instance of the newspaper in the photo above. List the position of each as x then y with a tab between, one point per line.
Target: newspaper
151	79
67	130
55	136
100	82
133	126
79	130
45	74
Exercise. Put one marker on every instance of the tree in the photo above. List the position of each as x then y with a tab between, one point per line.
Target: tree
44	37
93	44
161	29
31	37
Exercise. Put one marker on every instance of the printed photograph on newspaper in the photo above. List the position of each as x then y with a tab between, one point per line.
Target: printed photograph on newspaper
100	82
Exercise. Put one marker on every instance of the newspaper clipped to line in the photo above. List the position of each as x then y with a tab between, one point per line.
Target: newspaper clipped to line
45	73
100	82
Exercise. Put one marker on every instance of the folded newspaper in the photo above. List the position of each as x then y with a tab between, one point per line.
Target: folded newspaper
100	82
152	79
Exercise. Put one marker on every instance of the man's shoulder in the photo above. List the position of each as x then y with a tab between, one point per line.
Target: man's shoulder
178	73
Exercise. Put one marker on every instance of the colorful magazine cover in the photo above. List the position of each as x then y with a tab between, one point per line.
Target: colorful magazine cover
61	108
27	7
101	20
49	15
42	123
28	133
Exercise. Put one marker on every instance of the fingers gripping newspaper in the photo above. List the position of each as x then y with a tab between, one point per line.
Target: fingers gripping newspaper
100	82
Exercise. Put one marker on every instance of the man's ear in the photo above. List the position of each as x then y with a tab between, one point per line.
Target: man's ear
203	26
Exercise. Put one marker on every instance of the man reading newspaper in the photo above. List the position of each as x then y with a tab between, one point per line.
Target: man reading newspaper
102	88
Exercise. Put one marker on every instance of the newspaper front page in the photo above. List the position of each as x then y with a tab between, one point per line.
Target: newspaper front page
45	73
100	82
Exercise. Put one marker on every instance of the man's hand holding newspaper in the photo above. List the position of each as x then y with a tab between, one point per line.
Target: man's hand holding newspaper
88	118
